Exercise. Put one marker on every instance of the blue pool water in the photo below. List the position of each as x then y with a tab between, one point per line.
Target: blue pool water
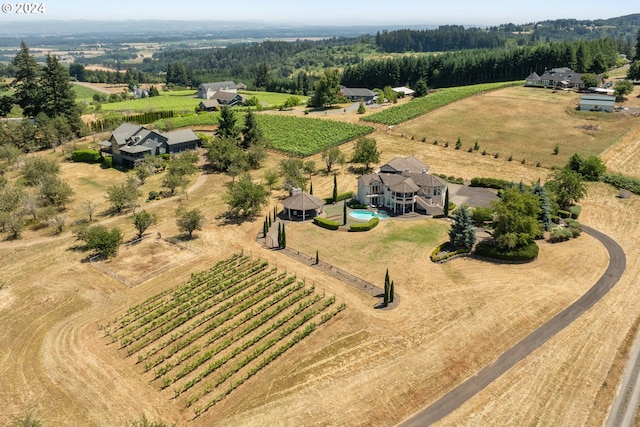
365	215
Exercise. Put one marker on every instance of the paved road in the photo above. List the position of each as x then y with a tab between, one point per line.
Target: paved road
465	391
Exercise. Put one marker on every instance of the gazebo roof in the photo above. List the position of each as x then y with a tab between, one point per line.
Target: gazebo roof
303	202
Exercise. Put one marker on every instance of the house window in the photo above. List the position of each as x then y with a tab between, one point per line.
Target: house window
375	189
437	191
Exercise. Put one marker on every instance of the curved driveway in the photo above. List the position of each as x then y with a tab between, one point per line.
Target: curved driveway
465	391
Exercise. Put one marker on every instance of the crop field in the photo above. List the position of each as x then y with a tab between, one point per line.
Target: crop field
207	337
301	136
524	123
84	94
417	107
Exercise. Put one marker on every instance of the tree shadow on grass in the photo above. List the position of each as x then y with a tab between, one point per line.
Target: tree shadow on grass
233	218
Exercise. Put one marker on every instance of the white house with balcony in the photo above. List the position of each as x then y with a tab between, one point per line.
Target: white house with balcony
403	185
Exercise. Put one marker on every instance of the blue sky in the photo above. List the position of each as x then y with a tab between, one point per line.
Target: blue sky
332	12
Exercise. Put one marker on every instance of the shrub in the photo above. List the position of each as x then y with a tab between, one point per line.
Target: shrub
326	223
574	227
450	254
153	195
480	215
354	204
560	234
86	156
563	213
623	182
341	196
365	227
499	184
575	211
107	162
522	254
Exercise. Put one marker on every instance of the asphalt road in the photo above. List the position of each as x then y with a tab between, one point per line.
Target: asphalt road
463	392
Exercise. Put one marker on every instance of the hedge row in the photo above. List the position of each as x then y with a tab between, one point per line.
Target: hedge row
524	254
498	184
341	197
366	226
86	156
623	182
434	255
326	223
573	212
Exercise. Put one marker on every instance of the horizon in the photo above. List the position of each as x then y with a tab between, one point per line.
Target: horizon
331	13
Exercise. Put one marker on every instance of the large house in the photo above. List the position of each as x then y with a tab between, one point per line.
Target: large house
129	143
556	77
208	90
403	185
358	94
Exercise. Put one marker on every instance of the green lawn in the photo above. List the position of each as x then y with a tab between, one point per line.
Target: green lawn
84	94
272	99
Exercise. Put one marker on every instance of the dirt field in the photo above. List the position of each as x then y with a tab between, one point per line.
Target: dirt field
366	367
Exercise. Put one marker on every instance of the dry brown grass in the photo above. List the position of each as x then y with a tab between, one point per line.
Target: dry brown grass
367	367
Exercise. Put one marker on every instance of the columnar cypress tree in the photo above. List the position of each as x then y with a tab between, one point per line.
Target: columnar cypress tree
335	188
279	235
311	188
446	203
269	220
275	213
344	214
387	287
284	238
317	258
265	228
391	291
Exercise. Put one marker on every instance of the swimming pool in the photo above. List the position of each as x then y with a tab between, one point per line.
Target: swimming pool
365	215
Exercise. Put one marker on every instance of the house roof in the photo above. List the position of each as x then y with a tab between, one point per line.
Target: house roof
216	86
180	136
210	103
533	76
356	92
224	96
427	180
562	74
303	202
133	149
125	131
405	186
403	89
405	164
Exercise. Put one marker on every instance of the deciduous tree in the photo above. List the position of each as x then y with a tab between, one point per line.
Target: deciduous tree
331	156
366	152
516	219
189	221
142	221
245	197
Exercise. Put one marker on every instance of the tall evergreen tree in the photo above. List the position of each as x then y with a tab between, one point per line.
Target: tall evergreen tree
26	83
59	99
387	286
227	126
446	203
391	292
344	213
335	188
284	238
251	132
544	217
462	233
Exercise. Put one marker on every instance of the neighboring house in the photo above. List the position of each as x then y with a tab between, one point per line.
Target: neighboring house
227	98
140	92
403	185
556	77
403	91
303	205
358	94
209	105
594	102
207	90
129	143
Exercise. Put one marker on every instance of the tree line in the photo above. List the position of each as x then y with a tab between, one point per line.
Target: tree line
442	39
483	65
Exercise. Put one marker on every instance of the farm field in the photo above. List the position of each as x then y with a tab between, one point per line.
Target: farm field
531	123
365	366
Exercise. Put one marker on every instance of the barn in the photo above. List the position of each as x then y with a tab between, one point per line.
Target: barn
594	102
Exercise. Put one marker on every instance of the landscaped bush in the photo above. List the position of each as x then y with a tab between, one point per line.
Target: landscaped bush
107	162
574	226
623	182
326	223
564	214
86	156
498	184
450	254
365	227
524	254
480	215
341	197
560	234
575	211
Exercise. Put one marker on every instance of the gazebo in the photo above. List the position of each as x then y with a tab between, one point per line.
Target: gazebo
303	205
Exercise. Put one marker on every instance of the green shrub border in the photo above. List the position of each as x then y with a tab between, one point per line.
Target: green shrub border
372	223
326	223
498	184
449	255
341	197
525	254
86	156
